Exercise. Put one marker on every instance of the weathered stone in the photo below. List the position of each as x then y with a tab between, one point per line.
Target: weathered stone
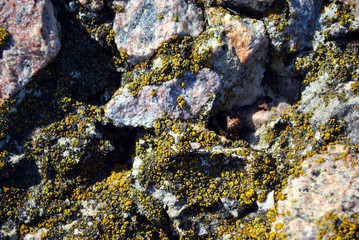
144	25
33	42
294	32
330	187
256	5
239	49
332	25
322	110
355	9
36	236
178	101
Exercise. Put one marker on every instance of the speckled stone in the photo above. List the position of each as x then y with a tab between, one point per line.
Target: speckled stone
247	39
92	5
33	42
239	49
142	110
298	32
144	25
356	7
329	27
331	186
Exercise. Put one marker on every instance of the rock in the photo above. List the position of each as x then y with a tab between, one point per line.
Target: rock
323	110
293	31
355	9
33	42
239	46
178	100
256	5
331	24
94	6
234	61
326	188
144	25
250	161
36	236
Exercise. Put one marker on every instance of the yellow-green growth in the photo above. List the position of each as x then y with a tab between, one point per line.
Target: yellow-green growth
4	36
181	102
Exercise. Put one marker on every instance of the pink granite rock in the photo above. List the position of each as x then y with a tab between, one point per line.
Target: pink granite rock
144	25
152	100
246	38
327	187
33	42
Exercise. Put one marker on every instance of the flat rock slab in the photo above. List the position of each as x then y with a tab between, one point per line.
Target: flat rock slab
144	25
33	42
198	91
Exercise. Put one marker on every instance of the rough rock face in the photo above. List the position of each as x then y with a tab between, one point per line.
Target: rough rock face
356	7
335	21
144	25
293	30
178	98
328	187
239	55
237	47
33	42
215	136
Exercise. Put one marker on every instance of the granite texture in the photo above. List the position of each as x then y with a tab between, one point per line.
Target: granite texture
179	98
240	121
327	186
33	42
144	25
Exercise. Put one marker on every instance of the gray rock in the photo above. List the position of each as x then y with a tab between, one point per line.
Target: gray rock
178	101
292	30
239	49
331	25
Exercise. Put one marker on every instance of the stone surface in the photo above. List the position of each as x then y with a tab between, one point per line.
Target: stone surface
152	101
33	42
324	188
250	161
256	5
239	49
355	9
322	110
335	21
144	25
294	32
